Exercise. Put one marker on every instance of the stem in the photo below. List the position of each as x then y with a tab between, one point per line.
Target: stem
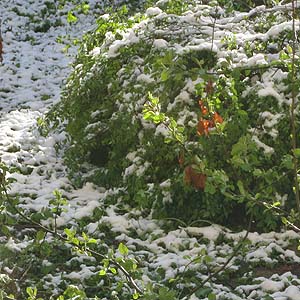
213	33
293	107
55	219
283	212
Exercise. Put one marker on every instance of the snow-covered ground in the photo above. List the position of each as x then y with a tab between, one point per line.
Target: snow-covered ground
32	74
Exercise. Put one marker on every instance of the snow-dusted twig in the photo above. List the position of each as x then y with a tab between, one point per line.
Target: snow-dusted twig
1	42
293	107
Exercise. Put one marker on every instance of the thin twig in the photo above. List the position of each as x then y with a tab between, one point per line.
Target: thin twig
213	32
293	107
1	42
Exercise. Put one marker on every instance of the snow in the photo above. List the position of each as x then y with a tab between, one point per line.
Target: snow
16	247
270	91
85	272
145	78
267	149
292	292
209	232
183	97
160	43
269	285
153	11
166	184
162	129
118	223
258	59
129	37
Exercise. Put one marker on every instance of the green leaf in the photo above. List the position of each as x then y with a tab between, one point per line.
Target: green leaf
212	296
135	296
158	118
198	62
92	241
180	129
207	259
287	162
168	140
276	204
153	100
297	152
241	188
75	241
71	18
70	233
283	55
210	187
257	172
102	272
164	75
85	237
289	49
57	194
173	123
40	235
32	292
123	249
165	294
284	220
148	115
203	293
113	270
105	262
5	230
85	8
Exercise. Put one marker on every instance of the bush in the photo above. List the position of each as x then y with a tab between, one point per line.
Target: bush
181	53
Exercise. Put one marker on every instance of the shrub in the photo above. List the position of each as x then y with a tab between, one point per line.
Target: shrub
183	53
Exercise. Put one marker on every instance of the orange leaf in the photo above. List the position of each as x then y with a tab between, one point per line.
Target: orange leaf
203	126
192	177
203	108
187	175
217	118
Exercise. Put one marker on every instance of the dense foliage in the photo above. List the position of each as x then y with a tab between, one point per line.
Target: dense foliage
176	50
